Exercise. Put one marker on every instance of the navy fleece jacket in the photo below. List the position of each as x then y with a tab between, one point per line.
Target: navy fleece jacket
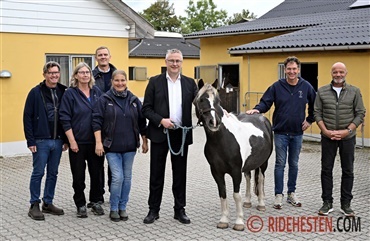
76	113
290	105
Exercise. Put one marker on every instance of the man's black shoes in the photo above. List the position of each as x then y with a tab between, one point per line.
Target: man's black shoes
151	217
181	216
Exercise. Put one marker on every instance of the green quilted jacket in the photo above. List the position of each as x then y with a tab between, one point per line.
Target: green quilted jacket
338	113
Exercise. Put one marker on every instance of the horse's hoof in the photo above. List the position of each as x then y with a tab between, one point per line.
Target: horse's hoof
222	225
238	227
247	204
261	208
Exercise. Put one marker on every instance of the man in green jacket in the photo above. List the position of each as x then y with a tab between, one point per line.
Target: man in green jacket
339	110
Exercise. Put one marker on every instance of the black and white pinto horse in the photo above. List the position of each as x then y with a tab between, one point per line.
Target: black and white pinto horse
234	145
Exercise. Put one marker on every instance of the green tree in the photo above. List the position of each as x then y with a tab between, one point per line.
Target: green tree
162	16
202	15
237	17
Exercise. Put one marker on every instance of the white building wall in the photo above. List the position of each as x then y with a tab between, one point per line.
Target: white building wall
78	17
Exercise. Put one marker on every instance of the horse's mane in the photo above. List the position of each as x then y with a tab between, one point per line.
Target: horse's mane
207	88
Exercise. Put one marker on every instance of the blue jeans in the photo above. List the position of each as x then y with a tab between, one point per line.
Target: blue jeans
120	165
47	155
291	146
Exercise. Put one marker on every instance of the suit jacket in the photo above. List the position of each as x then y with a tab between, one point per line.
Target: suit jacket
156	106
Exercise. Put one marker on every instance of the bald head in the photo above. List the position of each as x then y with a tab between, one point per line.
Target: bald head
339	65
338	72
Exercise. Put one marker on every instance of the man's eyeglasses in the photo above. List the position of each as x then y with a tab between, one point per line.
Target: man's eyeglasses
172	61
53	73
83	72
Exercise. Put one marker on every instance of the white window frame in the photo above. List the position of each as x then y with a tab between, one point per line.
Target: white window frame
66	76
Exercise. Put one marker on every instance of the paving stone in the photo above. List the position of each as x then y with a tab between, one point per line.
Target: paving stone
203	203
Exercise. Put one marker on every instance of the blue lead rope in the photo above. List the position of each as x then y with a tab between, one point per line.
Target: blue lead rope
184	133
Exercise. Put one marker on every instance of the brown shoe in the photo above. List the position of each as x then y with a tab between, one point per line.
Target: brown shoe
35	212
50	208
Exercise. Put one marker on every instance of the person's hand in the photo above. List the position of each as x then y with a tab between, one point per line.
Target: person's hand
74	146
338	135
227	114
145	147
65	147
167	123
250	112
305	125
33	149
99	150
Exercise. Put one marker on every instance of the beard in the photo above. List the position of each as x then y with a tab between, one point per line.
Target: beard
338	81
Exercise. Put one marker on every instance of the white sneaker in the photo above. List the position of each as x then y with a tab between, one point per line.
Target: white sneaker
278	204
292	199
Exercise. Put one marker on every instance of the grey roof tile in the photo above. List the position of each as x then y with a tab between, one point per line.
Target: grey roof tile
158	46
346	28
312	23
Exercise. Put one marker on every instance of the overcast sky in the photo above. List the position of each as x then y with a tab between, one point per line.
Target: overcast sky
258	7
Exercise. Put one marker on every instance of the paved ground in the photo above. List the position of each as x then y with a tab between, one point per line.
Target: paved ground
203	205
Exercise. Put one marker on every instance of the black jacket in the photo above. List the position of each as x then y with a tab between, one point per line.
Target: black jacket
35	116
120	126
99	79
156	106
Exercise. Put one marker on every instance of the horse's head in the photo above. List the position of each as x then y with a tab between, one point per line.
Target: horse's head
208	108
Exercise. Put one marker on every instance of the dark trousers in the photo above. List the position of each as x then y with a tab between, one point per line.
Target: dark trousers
347	156
102	180
158	156
78	166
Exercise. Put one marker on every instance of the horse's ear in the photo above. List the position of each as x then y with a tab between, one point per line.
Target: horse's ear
200	83
215	84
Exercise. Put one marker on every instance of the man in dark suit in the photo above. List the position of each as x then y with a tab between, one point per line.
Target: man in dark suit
167	104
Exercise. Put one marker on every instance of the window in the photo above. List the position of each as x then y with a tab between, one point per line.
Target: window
68	63
308	71
163	69
207	73
281	71
137	73
196	72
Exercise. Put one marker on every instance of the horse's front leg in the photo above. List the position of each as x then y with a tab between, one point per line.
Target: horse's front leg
219	178
239	222
224	221
248	196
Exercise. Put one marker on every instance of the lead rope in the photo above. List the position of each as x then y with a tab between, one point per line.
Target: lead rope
185	131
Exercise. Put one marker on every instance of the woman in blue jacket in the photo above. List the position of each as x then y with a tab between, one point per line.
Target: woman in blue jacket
117	124
76	116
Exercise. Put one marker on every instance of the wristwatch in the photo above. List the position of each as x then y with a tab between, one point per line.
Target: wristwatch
349	130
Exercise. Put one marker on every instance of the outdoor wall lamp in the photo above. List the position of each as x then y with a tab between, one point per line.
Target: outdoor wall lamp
5	74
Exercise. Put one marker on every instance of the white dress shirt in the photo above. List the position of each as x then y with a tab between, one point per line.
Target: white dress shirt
175	99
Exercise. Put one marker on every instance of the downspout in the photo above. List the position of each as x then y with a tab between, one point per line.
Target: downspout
138	45
249	80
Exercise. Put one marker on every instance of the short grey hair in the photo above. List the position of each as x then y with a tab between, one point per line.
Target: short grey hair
173	51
